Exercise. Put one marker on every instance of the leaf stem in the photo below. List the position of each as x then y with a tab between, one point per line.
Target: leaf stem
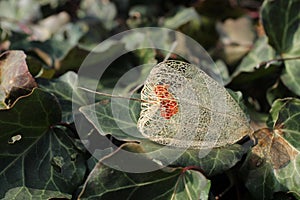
114	96
269	62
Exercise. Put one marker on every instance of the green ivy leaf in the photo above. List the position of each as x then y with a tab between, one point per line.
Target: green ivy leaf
166	183
64	88
281	20
216	160
194	185
44	166
183	16
278	91
290	176
27	145
38	162
103	11
291	75
20	118
57	48
261	52
120	124
259	180
19	193
16	10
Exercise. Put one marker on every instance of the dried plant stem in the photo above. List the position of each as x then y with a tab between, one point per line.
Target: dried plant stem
269	62
114	96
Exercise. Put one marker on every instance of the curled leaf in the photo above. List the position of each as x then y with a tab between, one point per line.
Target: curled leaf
274	148
15	79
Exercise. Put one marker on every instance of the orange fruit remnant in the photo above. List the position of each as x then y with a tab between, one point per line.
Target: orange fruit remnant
168	104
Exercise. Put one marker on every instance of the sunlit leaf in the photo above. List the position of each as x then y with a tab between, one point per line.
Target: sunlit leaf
291	75
55	49
50	25
15	10
105	11
183	16
260	53
284	118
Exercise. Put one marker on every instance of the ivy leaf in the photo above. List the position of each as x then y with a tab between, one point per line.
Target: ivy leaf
259	179
29	193
291	75
103	11
37	162
120	124
19	118
50	167
215	161
15	79
49	26
54	51
167	183
284	117
278	91
281	21
64	89
275	159
183	16
255	69
22	11
261	52
248	74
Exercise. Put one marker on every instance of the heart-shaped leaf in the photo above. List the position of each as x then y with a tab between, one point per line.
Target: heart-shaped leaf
281	21
37	162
